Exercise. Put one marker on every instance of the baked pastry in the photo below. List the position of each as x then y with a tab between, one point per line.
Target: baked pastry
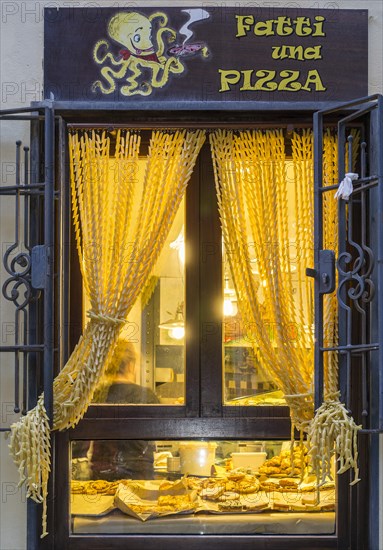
228	495
287	462
269	486
97	487
248	485
193	483
166	485
174	503
212	492
236	475
288	483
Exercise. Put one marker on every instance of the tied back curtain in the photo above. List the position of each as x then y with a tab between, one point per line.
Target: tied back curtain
253	198
251	181
117	249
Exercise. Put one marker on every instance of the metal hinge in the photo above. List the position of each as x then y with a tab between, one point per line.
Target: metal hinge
325	275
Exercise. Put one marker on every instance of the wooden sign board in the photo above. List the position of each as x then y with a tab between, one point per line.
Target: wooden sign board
205	55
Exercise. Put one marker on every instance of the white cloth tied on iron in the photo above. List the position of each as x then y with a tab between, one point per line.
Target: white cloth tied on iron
345	187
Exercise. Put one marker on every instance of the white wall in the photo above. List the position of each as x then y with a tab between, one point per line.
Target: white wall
21	74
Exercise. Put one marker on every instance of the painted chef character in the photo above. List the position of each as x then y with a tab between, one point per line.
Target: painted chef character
134	31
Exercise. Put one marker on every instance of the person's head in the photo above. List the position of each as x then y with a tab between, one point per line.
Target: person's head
124	358
121	365
133	30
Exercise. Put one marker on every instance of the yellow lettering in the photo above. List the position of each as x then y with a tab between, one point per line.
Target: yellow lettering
246	86
296	52
289	81
302	26
264	83
314	79
264	28
313	52
244	23
269	81
279	52
281	26
284	27
292	52
319	26
228	78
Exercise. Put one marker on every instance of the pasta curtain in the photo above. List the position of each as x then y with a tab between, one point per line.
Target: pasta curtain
257	186
254	199
117	248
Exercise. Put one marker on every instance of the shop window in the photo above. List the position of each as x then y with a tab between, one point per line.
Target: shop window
192	353
203	364
191	487
161	330
150	352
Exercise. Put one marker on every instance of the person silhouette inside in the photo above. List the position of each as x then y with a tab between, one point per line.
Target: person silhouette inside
122	459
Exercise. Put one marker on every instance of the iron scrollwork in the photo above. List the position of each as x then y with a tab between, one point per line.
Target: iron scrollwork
17	288
356	282
18	278
361	286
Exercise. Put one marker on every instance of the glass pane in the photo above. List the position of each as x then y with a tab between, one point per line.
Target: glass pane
245	382
247	370
204	487
147	366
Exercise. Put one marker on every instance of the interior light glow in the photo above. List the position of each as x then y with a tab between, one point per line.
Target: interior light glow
228	308
230	301
177	333
179	245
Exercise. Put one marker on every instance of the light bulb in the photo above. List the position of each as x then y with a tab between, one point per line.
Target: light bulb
177	333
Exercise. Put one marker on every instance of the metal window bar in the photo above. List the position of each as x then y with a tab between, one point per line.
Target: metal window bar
20	257
33	271
360	269
356	285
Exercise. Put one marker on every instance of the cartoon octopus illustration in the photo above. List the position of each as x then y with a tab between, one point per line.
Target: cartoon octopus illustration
134	31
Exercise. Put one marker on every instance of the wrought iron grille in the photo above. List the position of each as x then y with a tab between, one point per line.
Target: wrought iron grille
28	260
358	264
17	288
359	267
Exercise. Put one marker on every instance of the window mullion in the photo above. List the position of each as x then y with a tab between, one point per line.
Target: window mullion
210	292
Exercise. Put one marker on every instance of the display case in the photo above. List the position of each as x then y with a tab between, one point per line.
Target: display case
197	487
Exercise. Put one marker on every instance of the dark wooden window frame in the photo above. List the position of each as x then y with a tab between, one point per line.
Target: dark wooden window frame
203	412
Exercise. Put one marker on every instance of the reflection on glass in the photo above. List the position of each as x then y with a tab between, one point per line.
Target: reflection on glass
283	312
218	486
118	385
147	366
244	381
